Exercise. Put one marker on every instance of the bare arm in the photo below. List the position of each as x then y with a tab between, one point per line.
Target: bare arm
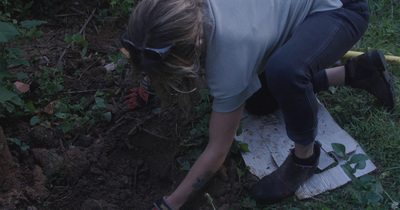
222	130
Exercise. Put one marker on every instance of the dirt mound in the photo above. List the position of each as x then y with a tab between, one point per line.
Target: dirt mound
126	163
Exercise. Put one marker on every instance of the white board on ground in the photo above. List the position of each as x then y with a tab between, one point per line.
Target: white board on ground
269	146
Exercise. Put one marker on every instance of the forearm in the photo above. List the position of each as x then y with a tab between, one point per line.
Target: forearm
199	175
222	130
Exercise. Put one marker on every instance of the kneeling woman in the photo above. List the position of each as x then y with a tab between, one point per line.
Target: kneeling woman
291	42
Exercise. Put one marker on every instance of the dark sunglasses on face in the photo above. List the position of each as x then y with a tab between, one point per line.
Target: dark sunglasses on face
156	55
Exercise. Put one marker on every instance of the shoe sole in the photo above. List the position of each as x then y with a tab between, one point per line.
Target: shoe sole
380	60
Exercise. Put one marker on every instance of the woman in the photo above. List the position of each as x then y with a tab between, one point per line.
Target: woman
291	42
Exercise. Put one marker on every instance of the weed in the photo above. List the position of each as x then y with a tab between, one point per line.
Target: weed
242	173
122	8
120	60
22	145
17	7
79	40
210	200
10	30
50	80
359	160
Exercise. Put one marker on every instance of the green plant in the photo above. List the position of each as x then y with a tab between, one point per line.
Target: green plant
22	145
122	8
241	173
199	134
17	7
210	200
79	40
10	55
120	60
50	80
367	191
68	116
359	160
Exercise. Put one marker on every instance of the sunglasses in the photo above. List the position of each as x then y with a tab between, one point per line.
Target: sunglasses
156	55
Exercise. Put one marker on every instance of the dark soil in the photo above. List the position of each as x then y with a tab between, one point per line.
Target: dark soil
127	163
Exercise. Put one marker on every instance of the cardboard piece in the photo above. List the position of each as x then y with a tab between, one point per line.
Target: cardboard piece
269	146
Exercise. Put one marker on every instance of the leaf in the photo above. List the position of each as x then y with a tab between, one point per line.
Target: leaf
28	24
49	108
15	51
239	130
185	166
339	149
18	61
360	165
35	120
7	32
58	88
348	170
68	38
62	115
24	147
100	102
6	95
3	66
9	107
244	147
30	107
107	116
20	75
66	127
358	158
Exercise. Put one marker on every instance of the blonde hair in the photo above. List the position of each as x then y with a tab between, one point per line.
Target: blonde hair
161	23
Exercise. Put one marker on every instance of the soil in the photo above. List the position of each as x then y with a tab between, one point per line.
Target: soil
126	163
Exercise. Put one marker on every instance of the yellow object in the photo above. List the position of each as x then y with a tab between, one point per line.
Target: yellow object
395	60
390	58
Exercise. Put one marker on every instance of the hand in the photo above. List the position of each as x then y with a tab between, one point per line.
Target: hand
138	98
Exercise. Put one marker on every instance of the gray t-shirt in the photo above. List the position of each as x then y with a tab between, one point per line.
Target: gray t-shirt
242	37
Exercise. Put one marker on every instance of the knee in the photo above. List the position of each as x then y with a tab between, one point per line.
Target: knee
283	76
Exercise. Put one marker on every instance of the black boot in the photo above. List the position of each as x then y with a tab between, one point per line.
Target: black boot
368	72
284	181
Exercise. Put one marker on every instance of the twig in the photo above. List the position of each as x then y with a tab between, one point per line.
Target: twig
132	131
87	68
154	134
77	10
95	27
77	92
91	65
83	28
67	15
116	126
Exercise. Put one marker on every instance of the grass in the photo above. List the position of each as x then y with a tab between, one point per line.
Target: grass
376	129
